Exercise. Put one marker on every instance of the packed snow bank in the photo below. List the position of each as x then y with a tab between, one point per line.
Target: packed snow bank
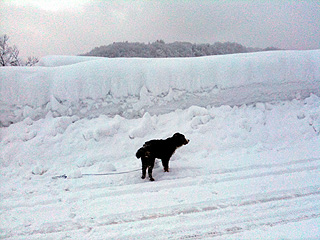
130	87
57	61
103	144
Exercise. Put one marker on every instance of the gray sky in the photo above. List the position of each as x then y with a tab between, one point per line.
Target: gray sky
71	27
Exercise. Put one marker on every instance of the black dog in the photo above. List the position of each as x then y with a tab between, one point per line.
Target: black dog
162	149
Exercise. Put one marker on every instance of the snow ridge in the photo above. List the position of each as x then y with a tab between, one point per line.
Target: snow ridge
89	87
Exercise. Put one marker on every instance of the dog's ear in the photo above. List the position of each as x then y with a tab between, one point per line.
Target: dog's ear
177	134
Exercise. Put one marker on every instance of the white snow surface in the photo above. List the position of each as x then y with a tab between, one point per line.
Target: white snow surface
89	86
56	61
250	170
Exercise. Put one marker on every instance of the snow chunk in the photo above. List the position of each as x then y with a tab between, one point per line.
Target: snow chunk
146	126
103	127
261	106
198	116
197	111
28	135
28	121
76	173
39	170
62	123
84	162
106	167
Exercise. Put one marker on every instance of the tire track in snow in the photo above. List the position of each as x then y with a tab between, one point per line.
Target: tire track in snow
165	212
261	166
37	202
272	173
216	177
219	222
220	228
250	224
250	201
188	181
213	205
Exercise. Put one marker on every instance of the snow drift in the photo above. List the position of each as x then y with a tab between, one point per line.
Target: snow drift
85	86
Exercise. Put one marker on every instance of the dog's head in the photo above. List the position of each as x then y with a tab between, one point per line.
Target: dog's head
180	139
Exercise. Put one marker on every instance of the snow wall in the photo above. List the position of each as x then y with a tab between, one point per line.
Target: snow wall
88	86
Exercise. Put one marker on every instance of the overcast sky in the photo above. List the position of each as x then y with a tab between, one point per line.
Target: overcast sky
71	27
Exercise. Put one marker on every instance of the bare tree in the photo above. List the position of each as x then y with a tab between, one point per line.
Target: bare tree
32	61
9	56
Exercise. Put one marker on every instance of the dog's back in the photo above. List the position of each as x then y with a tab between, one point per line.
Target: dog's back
153	147
160	148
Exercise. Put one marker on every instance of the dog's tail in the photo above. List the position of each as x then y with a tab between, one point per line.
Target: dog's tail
141	152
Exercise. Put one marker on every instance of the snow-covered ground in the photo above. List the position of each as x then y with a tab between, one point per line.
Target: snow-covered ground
250	171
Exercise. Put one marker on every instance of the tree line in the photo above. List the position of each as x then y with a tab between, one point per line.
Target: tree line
9	55
160	49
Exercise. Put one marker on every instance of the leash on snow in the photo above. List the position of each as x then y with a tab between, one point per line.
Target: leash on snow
98	174
101	174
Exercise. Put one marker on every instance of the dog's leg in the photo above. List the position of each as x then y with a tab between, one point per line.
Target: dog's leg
165	164
150	173
144	168
150	168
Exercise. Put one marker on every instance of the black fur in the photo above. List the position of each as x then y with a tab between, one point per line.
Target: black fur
162	149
